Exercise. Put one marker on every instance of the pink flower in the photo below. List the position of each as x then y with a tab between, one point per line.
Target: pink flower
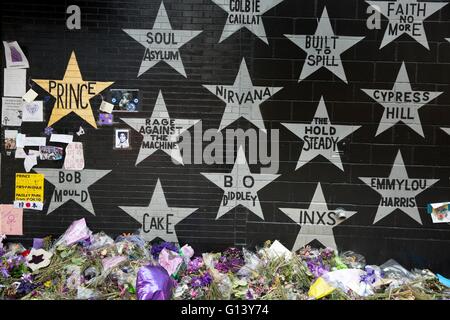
187	251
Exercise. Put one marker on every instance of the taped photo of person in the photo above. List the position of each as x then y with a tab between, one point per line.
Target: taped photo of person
122	139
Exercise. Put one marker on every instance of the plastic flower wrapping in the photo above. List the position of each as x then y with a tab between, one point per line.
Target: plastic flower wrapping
87	266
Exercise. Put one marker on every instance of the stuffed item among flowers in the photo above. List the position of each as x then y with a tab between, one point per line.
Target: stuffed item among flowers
38	259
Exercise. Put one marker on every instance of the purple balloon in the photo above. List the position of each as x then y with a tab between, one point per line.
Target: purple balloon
153	283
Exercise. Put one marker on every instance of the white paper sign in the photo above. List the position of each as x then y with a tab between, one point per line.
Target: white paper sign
12	111
35	141
20	140
29	162
106	107
62	138
14	82
30	95
14	56
74	159
32	111
20	153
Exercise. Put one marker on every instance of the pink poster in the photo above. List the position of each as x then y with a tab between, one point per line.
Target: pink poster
11	220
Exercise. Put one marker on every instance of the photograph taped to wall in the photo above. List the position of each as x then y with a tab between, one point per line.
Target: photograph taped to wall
125	100
50	153
10	139
122	139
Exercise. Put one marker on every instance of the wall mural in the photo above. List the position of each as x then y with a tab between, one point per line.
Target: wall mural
158	220
71	185
240	186
160	132
320	137
242	99
401	104
317	222
406	17
245	14
72	93
323	49
398	191
264	89
162	43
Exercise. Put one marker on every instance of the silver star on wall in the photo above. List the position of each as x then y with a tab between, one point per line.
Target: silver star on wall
71	185
240	186
398	191
317	222
164	43
160	132
320	137
158	220
323	40
406	110
249	18
406	17
242	99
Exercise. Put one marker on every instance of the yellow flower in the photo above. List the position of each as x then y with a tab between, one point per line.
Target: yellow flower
48	284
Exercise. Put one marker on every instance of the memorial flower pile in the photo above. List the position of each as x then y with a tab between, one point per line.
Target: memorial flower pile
83	265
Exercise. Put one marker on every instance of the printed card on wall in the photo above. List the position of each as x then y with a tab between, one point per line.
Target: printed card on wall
14	56
74	156
29	191
11	220
122	100
12	112
32	111
440	212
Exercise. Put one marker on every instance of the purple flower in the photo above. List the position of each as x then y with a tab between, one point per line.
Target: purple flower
201	281
231	260
317	267
249	295
157	248
2	252
4	272
370	276
222	267
48	131
195	265
327	253
27	277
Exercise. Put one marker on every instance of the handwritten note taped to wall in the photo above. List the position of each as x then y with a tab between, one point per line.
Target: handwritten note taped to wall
29	191
74	156
11	220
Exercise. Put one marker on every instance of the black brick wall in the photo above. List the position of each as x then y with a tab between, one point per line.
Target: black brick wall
106	53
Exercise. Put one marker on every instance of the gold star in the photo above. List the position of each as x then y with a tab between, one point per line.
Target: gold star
72	93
